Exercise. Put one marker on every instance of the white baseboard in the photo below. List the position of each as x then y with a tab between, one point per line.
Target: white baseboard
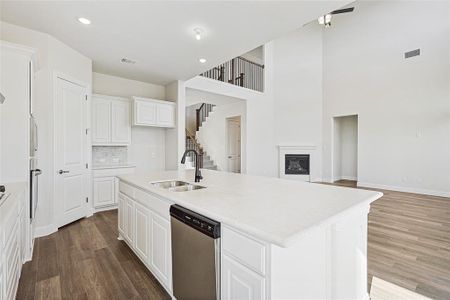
349	178
404	189
45	230
96	210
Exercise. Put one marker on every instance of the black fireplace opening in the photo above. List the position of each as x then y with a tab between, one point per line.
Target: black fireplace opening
296	164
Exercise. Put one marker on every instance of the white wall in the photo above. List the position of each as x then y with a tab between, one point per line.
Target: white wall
345	145
53	56
176	137
403	105
213	133
147	149
298	91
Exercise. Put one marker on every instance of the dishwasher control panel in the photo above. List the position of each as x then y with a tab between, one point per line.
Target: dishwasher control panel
195	220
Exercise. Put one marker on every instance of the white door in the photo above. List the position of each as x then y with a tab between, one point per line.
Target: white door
142	225
165	115
160	249
104	191
101	120
71	178
120	123
239	282
234	145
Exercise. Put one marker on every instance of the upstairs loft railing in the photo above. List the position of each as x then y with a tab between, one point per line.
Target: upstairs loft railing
239	71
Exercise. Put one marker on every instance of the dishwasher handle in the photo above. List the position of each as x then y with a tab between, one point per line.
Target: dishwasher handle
201	223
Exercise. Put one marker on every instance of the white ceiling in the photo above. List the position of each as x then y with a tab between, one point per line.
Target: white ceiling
159	34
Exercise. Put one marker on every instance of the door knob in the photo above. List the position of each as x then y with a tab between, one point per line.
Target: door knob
62	171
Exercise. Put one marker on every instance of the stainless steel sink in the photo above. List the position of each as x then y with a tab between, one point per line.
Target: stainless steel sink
177	186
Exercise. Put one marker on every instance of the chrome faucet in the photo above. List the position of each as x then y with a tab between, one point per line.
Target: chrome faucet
198	174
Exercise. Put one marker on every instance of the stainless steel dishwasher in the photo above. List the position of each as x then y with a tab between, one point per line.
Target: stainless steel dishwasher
195	255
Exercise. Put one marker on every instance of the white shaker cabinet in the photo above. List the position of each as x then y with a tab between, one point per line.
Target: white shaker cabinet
239	282
106	185
151	112
142	219
144	225
111	123
104	191
160	259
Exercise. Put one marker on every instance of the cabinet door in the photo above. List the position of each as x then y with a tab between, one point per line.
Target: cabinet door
121	217
104	191
142	225
160	257
145	113
129	221
239	282
101	121
120	123
165	115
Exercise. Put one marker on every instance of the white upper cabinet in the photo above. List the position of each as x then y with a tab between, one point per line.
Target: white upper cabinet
110	121
150	112
120	122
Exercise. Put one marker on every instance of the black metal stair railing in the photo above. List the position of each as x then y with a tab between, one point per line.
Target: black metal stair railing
239	71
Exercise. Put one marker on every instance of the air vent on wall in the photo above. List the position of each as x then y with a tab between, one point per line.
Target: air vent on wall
412	53
128	61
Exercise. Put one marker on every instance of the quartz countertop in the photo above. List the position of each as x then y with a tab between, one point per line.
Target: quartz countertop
278	211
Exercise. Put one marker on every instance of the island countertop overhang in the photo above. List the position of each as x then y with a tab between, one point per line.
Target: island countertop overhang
274	210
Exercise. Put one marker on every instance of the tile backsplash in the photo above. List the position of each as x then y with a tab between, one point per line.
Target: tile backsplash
109	155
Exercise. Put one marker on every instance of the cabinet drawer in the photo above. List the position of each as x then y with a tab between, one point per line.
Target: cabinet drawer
244	249
161	207
126	189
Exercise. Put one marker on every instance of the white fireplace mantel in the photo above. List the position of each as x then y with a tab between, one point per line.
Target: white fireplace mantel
284	149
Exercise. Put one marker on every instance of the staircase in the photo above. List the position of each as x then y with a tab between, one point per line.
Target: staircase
192	143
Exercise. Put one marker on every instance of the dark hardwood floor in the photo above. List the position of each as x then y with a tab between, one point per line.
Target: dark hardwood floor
408	245
409	242
84	260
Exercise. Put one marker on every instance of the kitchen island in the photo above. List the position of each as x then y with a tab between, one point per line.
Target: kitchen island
280	239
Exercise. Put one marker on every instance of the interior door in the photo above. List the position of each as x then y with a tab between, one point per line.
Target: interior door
234	145
71	179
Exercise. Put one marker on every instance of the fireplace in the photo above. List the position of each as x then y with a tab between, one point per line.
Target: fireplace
296	164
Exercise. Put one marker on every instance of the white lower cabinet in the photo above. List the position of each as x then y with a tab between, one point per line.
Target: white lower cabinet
160	248
239	282
142	218
13	246
144	224
106	186
104	191
129	220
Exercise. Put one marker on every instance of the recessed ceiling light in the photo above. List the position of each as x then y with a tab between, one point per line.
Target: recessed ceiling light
198	33
84	21
202	60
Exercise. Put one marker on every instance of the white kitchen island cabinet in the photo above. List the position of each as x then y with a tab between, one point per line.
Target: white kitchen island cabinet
274	243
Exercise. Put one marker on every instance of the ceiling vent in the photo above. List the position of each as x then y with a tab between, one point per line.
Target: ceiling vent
128	61
412	53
